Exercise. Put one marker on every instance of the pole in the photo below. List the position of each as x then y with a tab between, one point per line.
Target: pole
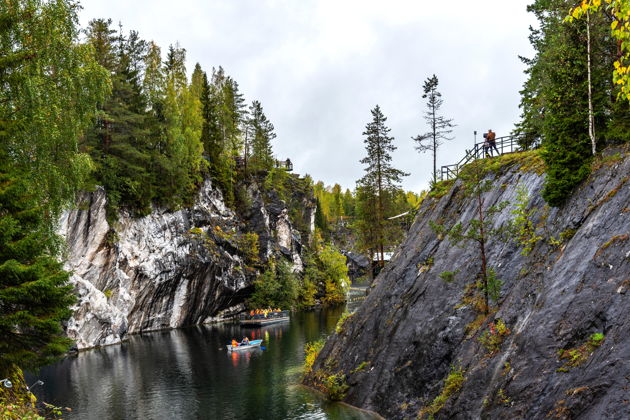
474	145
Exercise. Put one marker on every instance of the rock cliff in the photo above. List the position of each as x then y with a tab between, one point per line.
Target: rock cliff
170	268
555	345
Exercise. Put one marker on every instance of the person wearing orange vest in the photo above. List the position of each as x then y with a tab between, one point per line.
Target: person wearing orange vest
234	343
491	137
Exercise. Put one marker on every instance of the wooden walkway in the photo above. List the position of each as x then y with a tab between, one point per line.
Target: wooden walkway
505	145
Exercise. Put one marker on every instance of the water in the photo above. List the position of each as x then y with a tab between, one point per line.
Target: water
187	374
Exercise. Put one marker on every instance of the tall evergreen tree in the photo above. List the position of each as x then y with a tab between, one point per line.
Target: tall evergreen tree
380	181
262	132
42	115
119	141
439	127
555	97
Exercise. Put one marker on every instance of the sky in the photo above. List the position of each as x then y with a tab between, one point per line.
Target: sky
319	66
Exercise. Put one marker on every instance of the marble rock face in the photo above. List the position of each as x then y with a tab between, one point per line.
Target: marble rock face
164	270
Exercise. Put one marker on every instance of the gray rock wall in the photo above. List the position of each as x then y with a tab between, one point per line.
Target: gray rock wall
151	273
414	326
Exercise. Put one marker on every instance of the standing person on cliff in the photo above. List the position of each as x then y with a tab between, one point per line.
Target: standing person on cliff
491	139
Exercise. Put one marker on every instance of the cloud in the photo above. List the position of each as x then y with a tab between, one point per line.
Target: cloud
319	66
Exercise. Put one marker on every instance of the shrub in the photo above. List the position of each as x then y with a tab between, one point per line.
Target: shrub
493	337
578	355
336	386
311	350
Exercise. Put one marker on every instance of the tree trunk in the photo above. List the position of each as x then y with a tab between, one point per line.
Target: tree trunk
482	248
591	118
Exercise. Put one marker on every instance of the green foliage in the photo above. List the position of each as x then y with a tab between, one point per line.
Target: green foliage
439	189
439	126
51	84
361	367
336	386
340	323
277	180
377	189
311	350
262	133
248	244
43	113
555	96
277	287
577	356
493	337
452	386
479	229
493	285
523	227
33	285
620	31
325	275
448	276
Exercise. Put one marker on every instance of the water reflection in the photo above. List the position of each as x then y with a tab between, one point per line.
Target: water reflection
188	374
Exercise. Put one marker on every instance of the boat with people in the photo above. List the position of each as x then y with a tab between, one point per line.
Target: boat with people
244	346
260	317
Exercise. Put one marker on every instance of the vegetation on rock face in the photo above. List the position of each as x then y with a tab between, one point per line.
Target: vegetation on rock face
576	356
311	350
452	384
523	227
493	337
479	229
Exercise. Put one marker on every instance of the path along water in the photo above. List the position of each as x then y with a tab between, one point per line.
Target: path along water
187	374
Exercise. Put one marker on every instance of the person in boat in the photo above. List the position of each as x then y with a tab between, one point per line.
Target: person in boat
234	343
245	341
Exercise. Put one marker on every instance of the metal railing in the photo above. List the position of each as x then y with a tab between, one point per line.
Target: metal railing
504	145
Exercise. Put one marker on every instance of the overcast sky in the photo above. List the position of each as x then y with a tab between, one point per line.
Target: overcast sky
319	66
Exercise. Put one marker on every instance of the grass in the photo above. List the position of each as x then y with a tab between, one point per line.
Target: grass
440	189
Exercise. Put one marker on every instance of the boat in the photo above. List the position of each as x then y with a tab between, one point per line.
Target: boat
252	344
261	319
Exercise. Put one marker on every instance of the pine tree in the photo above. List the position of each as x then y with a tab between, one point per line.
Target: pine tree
555	98
262	132
380	181
34	294
439	127
42	115
118	142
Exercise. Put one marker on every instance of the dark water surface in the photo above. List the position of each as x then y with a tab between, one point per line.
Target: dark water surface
188	374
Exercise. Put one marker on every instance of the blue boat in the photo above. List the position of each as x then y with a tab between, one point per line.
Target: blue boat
252	345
